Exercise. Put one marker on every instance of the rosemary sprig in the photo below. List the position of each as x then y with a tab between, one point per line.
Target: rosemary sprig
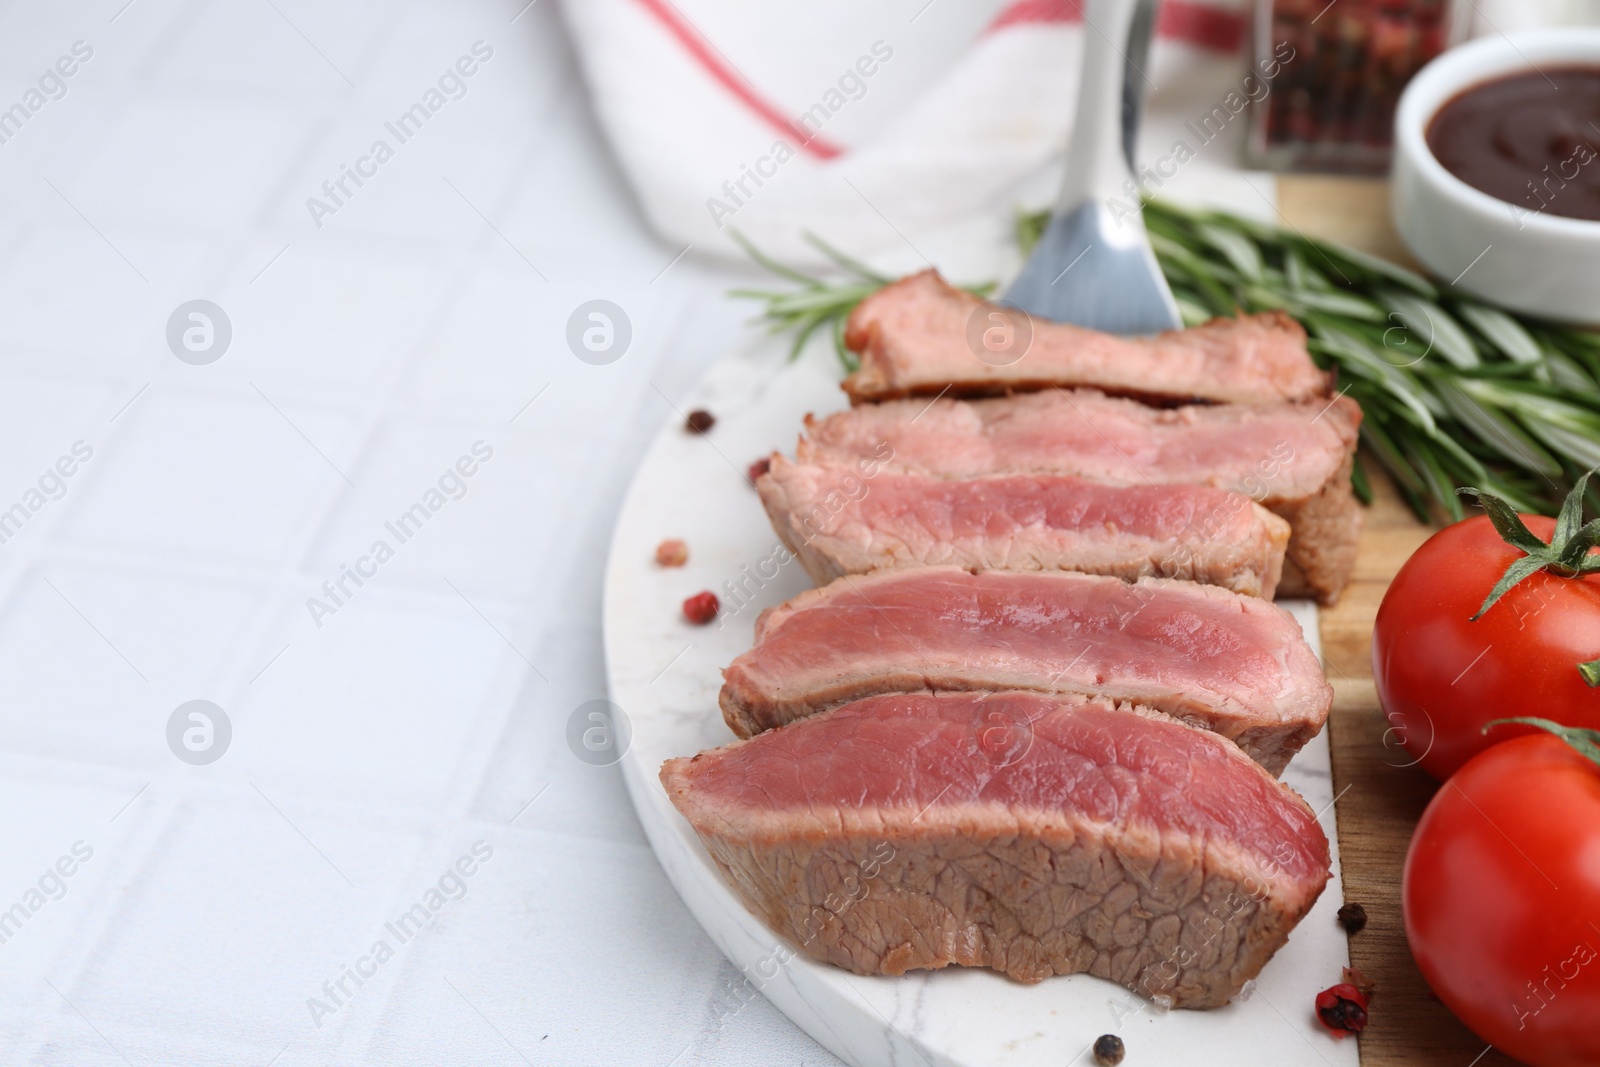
818	303
1454	392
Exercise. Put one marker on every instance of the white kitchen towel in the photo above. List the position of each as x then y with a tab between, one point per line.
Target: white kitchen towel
873	125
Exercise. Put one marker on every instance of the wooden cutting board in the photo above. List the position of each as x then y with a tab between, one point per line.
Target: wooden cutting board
1379	799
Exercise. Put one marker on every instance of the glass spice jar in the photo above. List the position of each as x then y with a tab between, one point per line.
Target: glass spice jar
1340	67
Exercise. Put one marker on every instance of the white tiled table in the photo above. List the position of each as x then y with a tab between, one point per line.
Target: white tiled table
428	712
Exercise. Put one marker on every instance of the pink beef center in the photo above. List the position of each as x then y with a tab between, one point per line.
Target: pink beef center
910	752
1015	622
1286	450
999	506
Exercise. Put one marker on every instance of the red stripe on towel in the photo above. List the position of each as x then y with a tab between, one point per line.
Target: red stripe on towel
1025	11
1184	20
724	73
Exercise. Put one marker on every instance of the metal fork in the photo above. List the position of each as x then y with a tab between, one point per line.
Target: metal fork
1093	267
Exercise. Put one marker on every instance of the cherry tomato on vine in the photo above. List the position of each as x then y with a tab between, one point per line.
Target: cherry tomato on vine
1445	665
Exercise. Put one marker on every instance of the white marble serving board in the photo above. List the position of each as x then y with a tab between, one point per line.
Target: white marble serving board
664	674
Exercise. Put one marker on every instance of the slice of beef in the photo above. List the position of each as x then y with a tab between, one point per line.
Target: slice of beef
1033	835
921	336
1294	459
840	521
1237	665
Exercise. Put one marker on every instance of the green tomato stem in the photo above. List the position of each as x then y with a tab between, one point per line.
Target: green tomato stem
1585	742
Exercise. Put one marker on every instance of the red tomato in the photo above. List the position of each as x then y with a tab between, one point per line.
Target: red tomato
1502	900
1441	676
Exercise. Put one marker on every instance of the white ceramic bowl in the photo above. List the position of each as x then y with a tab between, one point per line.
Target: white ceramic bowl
1537	263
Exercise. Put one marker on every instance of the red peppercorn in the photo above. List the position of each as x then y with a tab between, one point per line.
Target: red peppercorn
701	608
1342	1009
758	468
699	421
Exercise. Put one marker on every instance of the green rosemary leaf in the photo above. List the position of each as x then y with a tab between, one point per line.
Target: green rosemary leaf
1435	326
1539	391
1235	247
1358	481
1191	308
847	262
1301	275
1356	357
1179	262
1176	253
1372	267
1435	480
1503	331
1261	298
1456	460
1560	343
1339	303
1568	373
1571	340
1406	478
767	262
846	357
1583	448
1570	431
805	301
1029	228
1501	434
1157	224
805	328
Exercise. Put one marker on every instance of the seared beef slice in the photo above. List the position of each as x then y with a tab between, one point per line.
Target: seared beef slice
1033	835
841	522
915	337
1236	665
1293	459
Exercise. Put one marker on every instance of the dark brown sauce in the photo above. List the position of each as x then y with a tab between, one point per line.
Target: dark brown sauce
1530	139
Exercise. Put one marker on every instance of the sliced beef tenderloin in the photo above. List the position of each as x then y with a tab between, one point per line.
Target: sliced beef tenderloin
1233	664
920	336
1033	835
840	521
1294	459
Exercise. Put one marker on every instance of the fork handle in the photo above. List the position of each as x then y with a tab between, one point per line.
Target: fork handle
1102	134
